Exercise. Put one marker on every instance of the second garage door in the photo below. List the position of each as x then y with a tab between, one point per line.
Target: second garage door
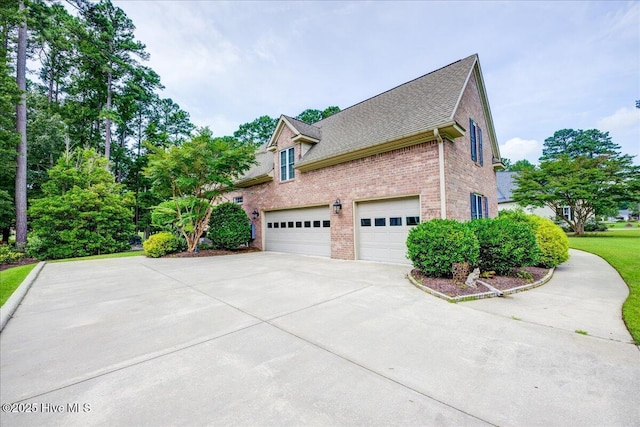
383	226
300	231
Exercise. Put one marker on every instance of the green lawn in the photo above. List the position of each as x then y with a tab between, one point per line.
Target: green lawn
621	249
622	225
11	278
116	255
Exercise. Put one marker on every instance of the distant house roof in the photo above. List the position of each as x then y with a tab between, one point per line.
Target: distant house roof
506	185
413	112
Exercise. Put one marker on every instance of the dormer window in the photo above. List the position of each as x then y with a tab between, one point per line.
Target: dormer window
287	157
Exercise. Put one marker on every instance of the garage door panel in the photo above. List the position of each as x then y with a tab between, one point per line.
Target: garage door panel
385	242
302	231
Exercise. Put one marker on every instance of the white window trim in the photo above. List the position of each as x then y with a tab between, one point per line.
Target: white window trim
288	167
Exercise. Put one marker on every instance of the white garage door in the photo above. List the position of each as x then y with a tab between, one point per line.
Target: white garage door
299	231
383	227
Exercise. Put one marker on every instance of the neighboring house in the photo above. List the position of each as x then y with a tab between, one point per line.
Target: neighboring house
352	185
506	186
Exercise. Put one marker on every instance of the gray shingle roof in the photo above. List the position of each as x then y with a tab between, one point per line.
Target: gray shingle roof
262	169
414	107
419	105
304	128
506	185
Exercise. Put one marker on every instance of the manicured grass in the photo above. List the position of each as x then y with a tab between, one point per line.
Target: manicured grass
621	249
622	225
116	255
11	278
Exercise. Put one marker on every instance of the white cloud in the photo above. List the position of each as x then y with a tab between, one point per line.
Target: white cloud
518	149
622	119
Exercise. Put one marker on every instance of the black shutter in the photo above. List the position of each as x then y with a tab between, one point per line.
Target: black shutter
474	213
485	202
472	137
480	145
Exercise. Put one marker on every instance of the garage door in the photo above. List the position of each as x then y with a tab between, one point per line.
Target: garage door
299	231
383	227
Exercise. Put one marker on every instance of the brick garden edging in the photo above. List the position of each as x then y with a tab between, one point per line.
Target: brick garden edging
492	293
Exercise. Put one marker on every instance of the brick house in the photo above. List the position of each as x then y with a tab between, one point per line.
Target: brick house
352	185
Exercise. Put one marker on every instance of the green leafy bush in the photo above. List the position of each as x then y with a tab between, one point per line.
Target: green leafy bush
434	246
505	243
9	256
551	239
229	226
161	244
84	212
552	242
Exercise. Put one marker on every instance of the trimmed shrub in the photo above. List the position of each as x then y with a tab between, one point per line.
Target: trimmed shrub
434	246
161	244
505	243
552	242
9	256
229	226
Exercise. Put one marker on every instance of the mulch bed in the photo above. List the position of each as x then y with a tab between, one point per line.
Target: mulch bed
23	261
448	287
210	252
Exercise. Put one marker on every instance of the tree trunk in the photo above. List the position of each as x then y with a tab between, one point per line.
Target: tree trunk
107	121
21	127
579	228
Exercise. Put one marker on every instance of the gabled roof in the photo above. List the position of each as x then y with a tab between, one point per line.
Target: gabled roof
303	132
418	106
506	185
417	111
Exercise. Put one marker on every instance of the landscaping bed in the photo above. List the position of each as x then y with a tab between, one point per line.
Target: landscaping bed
210	252
21	261
504	283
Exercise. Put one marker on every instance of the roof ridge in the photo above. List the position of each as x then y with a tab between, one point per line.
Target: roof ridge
394	88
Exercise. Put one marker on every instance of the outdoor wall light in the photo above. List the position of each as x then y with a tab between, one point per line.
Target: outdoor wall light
255	214
337	206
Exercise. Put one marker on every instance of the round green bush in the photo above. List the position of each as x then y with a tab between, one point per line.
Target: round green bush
229	226
552	241
434	246
505	243
161	244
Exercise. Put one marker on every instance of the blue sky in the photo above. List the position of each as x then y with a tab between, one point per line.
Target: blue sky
547	65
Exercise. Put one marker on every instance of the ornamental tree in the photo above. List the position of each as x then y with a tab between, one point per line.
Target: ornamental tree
193	177
589	184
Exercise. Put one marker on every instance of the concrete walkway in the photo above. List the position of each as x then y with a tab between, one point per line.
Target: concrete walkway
278	339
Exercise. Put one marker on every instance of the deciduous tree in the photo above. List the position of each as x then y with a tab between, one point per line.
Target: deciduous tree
591	178
194	175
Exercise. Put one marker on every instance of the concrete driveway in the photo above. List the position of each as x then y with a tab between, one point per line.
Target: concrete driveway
279	339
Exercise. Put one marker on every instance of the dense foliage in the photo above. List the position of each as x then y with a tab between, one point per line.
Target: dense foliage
229	226
583	170
550	238
193	177
434	246
87	86
84	212
161	244
505	244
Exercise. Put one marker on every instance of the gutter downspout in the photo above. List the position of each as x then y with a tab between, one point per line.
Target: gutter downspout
443	195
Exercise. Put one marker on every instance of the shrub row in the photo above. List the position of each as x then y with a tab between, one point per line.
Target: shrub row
512	240
229	228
